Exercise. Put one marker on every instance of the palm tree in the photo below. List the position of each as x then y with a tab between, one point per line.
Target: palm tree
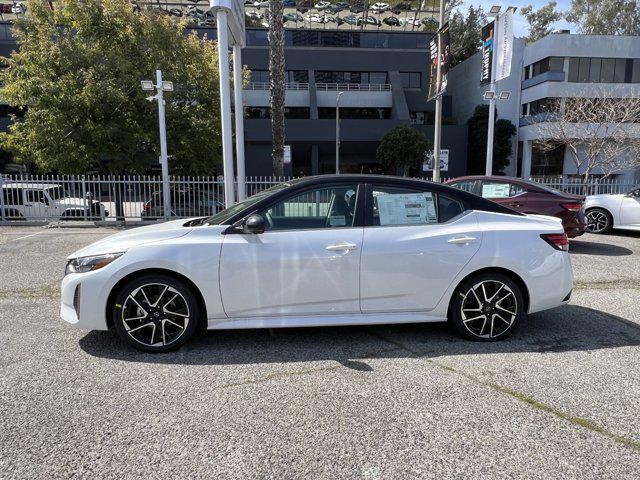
277	86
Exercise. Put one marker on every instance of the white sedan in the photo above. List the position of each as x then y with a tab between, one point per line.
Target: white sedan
605	212
328	250
379	7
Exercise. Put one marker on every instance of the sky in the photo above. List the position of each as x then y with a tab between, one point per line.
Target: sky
520	25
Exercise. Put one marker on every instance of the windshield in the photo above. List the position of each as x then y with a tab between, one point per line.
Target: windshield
227	213
56	193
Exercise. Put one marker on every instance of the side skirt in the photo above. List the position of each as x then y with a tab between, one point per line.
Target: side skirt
321	320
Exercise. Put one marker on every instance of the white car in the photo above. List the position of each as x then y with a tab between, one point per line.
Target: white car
315	18
322	5
18	8
605	212
379	7
46	201
416	22
318	251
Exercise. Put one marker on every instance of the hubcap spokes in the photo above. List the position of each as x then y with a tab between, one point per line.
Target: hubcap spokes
155	314
596	221
488	309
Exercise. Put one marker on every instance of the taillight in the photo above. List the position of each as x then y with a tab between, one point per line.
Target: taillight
559	241
146	206
572	207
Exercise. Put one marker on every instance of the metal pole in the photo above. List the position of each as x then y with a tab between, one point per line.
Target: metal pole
239	114
166	205
225	108
338	132
492	102
437	128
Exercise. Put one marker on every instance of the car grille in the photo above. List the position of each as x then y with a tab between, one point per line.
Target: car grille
76	300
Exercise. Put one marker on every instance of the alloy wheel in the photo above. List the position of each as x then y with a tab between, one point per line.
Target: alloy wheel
597	221
155	314
488	309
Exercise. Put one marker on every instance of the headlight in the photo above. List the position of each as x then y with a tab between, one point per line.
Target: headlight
88	264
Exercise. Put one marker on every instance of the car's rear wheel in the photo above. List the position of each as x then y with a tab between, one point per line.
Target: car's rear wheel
155	313
486	307
598	220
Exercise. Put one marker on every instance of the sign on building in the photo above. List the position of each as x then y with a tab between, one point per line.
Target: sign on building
427	166
287	154
488	35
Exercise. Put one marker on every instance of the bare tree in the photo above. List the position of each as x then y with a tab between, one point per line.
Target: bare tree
601	133
277	84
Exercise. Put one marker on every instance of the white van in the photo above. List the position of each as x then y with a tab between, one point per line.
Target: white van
38	201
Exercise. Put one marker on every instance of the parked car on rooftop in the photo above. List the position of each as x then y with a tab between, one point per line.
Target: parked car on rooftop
529	198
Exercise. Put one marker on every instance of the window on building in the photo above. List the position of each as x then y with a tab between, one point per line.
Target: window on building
604	70
411	79
549	64
543	105
355	113
259	76
547	163
362	78
296	76
265	112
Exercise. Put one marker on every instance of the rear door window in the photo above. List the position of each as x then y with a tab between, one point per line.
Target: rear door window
501	190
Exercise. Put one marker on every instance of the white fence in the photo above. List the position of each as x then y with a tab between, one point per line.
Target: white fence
139	198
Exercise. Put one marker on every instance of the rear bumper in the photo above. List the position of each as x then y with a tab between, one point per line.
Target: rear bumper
575	224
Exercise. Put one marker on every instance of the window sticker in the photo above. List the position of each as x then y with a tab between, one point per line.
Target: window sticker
406	208
495	190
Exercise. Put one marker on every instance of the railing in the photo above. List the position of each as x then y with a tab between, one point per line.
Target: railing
265	86
355	87
595	186
112	198
134	198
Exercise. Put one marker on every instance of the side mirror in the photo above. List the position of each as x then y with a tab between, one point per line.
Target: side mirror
253	224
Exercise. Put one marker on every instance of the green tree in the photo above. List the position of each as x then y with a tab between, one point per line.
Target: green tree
466	35
402	147
540	21
77	78
503	132
605	17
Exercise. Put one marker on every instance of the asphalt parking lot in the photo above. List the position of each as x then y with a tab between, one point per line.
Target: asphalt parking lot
560	399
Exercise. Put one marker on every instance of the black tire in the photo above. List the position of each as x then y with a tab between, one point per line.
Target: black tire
143	320
505	307
599	220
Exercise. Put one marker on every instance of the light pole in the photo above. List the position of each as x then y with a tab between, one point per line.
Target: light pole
338	132
161	87
491	94
437	127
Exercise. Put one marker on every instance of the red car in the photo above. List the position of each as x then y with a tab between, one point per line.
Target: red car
529	197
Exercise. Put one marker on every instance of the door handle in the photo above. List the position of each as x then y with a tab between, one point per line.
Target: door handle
340	247
463	240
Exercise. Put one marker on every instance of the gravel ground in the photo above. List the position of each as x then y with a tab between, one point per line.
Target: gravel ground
560	399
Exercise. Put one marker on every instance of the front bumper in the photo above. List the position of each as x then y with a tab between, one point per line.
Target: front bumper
83	299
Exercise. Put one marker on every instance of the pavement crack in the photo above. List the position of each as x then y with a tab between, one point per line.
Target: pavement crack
342	363
524	398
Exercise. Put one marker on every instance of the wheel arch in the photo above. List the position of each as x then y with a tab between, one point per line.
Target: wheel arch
161	271
606	209
504	271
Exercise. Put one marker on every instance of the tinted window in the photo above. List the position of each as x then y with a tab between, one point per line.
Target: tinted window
467	185
35	196
608	68
448	208
325	207
12	196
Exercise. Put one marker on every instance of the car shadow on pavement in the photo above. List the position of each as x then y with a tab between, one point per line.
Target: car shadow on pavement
593	248
564	329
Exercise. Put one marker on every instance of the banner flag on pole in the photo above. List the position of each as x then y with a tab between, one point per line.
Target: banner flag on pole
504	45
487	52
436	89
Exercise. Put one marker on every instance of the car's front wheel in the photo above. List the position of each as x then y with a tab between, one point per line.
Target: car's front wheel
598	220
486	307
155	313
